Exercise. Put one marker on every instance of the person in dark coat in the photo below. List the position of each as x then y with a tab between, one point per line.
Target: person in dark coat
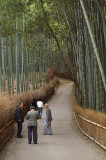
34	103
19	119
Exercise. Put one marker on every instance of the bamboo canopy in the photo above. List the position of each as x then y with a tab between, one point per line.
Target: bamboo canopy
68	36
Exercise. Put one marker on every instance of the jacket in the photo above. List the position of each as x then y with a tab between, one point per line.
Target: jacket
48	114
32	117
19	114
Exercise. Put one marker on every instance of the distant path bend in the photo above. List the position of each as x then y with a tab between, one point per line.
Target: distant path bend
66	143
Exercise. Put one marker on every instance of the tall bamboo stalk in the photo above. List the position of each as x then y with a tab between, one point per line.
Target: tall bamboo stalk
17	58
93	43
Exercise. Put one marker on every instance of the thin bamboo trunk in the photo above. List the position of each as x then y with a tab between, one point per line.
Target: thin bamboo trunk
22	79
17	58
93	43
3	64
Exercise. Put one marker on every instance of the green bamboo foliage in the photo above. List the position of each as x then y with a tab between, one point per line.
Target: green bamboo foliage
68	35
94	85
94	44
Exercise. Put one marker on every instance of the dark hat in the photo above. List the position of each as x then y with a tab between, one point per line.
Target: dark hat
32	107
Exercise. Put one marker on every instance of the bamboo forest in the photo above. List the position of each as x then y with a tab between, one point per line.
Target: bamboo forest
68	36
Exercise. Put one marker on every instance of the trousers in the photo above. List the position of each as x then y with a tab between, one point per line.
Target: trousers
40	111
19	130
32	129
47	128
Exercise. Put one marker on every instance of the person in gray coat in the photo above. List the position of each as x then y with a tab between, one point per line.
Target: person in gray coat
47	127
32	117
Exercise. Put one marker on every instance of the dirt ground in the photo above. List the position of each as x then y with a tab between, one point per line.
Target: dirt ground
66	143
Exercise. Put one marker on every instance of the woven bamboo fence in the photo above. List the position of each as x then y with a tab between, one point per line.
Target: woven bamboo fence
7	117
91	123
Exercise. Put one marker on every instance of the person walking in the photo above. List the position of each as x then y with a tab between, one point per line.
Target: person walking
40	107
47	127
19	119
32	117
34	103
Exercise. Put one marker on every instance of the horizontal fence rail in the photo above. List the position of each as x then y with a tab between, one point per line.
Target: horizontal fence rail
6	126
91	122
25	109
6	141
6	133
86	133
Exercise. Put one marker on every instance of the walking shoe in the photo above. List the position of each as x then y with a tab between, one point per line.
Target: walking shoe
44	133
20	136
50	134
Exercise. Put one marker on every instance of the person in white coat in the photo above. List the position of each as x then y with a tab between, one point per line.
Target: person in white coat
40	107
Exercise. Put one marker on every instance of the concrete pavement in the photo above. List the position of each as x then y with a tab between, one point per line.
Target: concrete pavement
66	143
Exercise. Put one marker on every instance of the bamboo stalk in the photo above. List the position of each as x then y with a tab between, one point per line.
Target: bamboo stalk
93	43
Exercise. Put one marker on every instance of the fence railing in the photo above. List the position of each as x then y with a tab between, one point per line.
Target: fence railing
7	131
93	123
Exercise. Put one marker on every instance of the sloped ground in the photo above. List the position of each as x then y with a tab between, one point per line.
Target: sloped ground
66	143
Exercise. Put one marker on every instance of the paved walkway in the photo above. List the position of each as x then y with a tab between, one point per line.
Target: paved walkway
66	143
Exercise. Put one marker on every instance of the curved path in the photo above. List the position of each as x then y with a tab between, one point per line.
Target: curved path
66	143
